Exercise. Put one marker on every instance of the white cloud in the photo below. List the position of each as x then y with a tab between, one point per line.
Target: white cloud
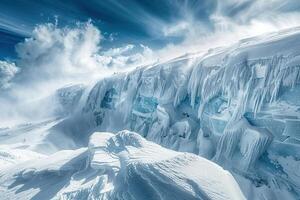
59	53
7	72
57	56
125	57
53	57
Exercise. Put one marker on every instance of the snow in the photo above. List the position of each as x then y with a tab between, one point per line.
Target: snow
237	106
40	178
10	156
232	105
252	142
129	168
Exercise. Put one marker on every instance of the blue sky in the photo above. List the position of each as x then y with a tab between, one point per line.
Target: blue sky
126	21
133	21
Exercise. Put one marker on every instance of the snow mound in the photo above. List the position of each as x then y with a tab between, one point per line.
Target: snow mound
121	166
10	156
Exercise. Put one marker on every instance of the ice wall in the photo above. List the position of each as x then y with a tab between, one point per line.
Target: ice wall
238	106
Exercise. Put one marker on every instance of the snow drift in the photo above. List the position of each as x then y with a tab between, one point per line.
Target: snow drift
121	166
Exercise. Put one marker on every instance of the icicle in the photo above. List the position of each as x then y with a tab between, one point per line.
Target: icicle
252	143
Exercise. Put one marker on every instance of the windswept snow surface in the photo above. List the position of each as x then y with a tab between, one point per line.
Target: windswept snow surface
121	166
237	106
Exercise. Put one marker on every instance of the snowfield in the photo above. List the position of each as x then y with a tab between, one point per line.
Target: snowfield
237	106
121	166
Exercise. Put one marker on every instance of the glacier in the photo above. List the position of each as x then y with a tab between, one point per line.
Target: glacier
237	106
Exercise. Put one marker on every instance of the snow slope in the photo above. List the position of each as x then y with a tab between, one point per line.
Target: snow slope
121	166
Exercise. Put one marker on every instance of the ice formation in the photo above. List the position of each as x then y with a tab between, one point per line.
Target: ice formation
238	106
121	166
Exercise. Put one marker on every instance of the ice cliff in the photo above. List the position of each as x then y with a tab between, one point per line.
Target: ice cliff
238	106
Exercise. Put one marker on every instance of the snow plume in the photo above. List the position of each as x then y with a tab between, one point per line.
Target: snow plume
59	54
7	72
54	57
49	59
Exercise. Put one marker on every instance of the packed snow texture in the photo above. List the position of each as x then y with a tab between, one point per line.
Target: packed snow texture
118	166
237	106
